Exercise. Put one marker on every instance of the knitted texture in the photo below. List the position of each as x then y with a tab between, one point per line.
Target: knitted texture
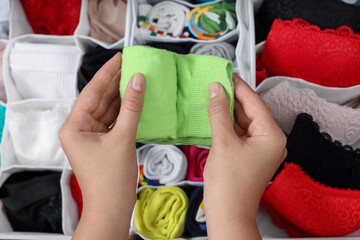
196	158
160	213
286	102
177	93
59	17
294	199
297	49
194	228
325	14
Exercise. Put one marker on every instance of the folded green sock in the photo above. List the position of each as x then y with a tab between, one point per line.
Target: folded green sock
177	93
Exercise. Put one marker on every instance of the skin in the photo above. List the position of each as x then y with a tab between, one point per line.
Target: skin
99	137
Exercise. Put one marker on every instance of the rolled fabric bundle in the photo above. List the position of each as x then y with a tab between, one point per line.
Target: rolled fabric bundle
4	19
52	17
76	193
161	164
92	61
221	49
44	70
212	21
2	85
195	222
165	19
160	213
107	19
32	201
196	158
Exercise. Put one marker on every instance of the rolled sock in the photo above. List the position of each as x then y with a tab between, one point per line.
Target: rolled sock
221	49
107	19
177	89
47	71
52	17
161	164
160	213
195	215
32	201
92	61
41	124
166	18
212	21
2	85
76	193
286	103
196	158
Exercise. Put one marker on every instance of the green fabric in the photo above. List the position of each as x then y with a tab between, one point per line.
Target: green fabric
220	9
160	213
177	93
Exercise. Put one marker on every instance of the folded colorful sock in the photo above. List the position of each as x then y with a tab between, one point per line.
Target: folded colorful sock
286	102
177	93
44	70
32	201
195	222
221	49
326	57
76	193
160	213
165	19
196	158
325	161
312	207
161	164
179	47
92	61
52	17
212	21
107	20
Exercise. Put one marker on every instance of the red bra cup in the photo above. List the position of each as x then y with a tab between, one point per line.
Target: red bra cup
307	208
297	49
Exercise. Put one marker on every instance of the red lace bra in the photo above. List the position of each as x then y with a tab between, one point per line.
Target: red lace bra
76	193
295	48
307	208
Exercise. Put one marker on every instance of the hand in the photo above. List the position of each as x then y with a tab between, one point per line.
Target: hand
242	161
99	140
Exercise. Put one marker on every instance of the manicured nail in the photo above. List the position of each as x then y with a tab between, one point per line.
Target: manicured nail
214	90
138	82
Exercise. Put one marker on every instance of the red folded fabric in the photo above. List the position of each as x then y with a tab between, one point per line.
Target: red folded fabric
59	17
328	57
76	193
307	208
196	158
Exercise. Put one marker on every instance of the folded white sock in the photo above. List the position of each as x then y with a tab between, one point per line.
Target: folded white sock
165	163
222	49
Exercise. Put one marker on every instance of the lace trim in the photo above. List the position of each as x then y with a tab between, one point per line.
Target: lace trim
299	23
325	136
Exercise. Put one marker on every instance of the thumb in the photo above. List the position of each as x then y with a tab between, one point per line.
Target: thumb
131	107
219	115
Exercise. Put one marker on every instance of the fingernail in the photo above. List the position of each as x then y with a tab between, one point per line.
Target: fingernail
138	82
214	90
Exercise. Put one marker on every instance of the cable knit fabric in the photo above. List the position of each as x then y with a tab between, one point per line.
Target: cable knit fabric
76	193
297	49
44	70
196	158
160	213
195	227
286	102
59	17
107	19
325	14
164	19
32	201
2	85
161	164
177	88
325	161
41	124
314	208
212	21
221	49
4	19
92	61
